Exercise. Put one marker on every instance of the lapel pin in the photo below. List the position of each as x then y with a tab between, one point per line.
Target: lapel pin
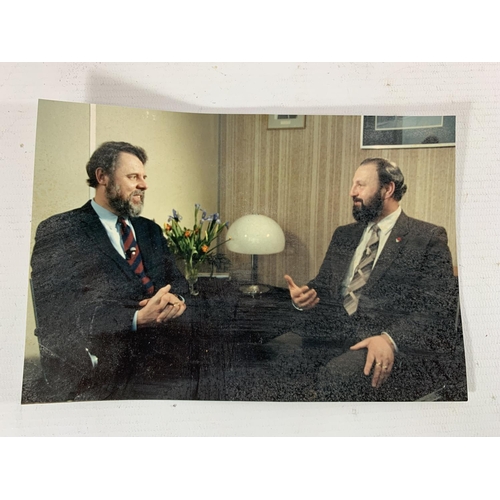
398	239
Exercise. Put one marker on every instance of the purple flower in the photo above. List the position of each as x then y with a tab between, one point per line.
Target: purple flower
175	216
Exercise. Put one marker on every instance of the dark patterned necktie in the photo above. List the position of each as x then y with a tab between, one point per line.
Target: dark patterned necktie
133	255
361	273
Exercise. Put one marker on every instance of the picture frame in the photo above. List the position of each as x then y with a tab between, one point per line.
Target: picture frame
383	132
286	121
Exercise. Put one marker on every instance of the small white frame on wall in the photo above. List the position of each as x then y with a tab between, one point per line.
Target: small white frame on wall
286	121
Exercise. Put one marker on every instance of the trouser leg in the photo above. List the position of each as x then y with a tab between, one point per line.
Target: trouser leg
342	379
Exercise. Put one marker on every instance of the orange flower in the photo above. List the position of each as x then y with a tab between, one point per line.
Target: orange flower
204	248
167	227
187	234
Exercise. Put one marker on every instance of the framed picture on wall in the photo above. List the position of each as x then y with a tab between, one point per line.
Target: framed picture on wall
286	121
381	132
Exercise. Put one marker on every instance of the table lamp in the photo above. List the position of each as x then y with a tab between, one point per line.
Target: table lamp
255	235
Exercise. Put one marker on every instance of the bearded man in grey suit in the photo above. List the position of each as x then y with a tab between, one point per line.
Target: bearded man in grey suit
100	298
385	299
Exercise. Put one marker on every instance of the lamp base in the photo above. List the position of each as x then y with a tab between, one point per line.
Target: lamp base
253	289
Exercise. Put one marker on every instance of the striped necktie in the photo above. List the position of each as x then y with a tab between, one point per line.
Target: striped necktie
133	255
361	273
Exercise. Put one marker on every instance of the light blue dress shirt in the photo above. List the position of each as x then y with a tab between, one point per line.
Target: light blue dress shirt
110	222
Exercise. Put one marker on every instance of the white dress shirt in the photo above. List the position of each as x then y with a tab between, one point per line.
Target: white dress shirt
385	225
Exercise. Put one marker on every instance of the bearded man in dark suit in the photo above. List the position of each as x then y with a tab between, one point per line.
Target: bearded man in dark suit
99	298
390	314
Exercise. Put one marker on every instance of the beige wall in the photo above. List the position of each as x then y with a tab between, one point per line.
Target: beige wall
301	178
182	168
182	152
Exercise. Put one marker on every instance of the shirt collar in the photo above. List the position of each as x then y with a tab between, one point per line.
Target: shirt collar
387	223
107	217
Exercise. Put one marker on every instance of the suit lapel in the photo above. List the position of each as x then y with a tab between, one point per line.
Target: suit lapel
394	245
95	232
345	251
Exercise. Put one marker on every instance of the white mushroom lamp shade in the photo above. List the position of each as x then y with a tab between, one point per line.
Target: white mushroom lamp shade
255	235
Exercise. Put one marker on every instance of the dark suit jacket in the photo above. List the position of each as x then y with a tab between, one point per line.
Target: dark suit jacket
85	292
411	293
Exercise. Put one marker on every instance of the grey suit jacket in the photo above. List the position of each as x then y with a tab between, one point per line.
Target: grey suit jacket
411	293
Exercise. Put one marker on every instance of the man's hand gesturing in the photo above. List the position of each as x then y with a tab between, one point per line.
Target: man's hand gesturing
302	296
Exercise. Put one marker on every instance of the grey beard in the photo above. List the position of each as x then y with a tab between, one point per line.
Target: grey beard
123	208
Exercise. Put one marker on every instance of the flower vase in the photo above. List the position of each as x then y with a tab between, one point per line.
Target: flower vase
191	275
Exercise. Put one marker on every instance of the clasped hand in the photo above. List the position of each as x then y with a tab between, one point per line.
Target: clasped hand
163	306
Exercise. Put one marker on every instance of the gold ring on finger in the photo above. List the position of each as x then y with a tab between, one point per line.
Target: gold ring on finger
378	364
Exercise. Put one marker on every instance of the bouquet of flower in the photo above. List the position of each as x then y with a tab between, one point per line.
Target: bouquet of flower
193	245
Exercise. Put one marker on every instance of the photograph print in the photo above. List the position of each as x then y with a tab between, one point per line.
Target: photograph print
182	256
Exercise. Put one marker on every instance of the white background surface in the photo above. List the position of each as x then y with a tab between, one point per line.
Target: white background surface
469	91
260	30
